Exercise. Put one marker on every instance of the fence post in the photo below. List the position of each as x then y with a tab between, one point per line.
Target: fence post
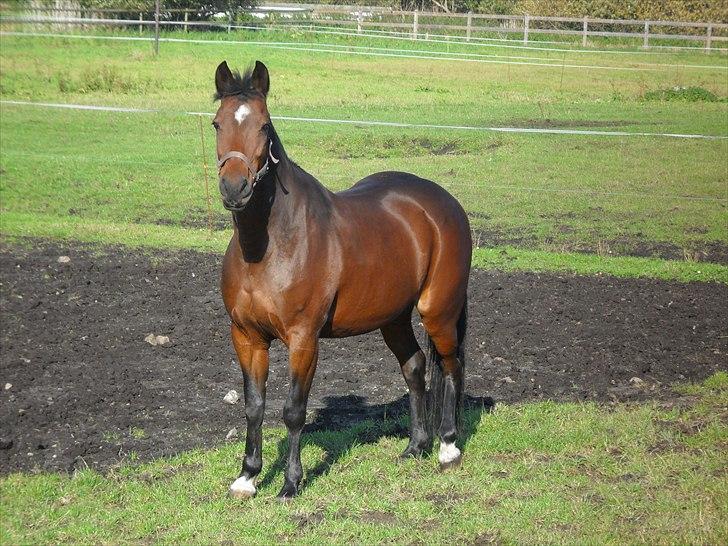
230	21
646	40
359	18
708	38
585	31
140	23
186	14
525	28
156	27
470	25
414	25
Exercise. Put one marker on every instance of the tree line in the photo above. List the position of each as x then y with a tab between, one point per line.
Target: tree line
679	10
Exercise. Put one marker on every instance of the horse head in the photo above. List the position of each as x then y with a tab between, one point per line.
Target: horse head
246	141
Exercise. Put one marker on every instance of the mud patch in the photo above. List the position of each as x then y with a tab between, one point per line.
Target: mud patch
86	389
547	123
378	517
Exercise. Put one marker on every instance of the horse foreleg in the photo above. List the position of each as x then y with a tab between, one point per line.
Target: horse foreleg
254	364
303	355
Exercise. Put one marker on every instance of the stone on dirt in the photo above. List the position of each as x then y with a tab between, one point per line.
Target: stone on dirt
232	434
636	381
63	259
8	386
156	340
231	397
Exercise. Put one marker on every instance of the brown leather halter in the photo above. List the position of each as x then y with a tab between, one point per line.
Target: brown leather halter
257	175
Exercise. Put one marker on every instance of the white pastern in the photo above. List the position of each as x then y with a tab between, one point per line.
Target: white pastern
243	488
448	453
241	113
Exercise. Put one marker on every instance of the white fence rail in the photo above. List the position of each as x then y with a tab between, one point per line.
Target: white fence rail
417	25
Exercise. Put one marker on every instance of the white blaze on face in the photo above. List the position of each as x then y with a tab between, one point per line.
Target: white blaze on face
243	488
241	113
448	453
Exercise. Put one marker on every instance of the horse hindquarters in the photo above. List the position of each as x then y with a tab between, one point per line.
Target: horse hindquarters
443	307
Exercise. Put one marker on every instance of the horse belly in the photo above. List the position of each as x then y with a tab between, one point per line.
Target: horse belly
374	296
352	318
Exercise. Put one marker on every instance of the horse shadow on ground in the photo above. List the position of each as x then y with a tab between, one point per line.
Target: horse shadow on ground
356	423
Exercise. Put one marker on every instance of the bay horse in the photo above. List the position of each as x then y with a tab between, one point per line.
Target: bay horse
305	263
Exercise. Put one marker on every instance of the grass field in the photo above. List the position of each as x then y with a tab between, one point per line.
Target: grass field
590	204
653	197
541	473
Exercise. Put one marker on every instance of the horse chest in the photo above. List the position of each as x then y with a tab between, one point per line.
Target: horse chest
262	307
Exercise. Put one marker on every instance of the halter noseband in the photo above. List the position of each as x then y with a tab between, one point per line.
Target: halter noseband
257	175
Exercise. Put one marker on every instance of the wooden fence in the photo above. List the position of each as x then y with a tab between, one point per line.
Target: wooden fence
414	24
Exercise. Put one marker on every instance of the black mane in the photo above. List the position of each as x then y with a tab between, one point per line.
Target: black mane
241	85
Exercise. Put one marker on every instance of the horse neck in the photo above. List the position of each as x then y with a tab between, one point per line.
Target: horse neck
279	214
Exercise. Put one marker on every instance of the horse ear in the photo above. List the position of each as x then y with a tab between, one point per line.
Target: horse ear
261	80
223	77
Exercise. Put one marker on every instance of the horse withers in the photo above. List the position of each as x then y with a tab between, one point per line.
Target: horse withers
305	263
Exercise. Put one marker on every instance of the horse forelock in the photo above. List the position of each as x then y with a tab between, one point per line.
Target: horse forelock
240	85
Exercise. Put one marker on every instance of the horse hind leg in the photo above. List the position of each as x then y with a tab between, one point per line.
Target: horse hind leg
401	340
447	377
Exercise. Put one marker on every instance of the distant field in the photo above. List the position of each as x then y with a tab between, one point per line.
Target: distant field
655	197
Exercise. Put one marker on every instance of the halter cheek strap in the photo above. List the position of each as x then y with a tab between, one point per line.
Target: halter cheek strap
257	175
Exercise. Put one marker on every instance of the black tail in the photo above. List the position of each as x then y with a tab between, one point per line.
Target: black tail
437	384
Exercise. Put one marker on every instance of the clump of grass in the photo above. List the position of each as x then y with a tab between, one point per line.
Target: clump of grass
686	94
108	79
137	433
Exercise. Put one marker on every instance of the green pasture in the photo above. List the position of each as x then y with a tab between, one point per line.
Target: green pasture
546	472
540	473
104	177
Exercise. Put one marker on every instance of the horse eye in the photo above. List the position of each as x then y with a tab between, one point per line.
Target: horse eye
216	125
266	128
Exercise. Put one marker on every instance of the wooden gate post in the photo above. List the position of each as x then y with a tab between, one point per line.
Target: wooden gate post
470	25
584	31
646	40
525	28
708	38
156	27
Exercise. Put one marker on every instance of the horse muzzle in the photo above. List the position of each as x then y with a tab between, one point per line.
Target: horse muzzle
235	192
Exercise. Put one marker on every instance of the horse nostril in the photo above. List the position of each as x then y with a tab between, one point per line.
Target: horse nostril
233	189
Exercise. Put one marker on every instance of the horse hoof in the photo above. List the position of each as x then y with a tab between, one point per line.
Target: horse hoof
449	465
242	488
287	493
450	456
410	453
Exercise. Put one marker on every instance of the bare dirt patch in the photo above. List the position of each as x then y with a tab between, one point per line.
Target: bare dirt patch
547	123
87	389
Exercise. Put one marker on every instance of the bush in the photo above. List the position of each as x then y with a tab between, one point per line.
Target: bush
686	94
